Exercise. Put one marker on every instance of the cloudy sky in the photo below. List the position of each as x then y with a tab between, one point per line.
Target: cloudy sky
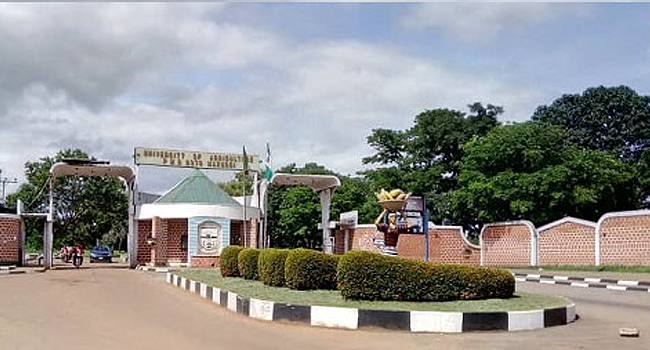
311	79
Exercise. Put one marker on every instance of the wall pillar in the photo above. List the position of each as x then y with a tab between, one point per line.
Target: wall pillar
159	236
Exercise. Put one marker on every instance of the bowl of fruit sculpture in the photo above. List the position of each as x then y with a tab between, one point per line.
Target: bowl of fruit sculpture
393	200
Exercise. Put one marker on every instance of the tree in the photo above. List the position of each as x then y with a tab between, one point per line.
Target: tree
86	207
612	119
234	186
532	171
425	159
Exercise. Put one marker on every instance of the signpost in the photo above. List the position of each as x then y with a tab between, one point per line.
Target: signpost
417	205
194	159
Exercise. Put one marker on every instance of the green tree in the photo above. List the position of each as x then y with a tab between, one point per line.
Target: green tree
532	171
612	119
425	159
86	208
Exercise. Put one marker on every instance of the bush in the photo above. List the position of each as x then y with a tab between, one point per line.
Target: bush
229	261
247	263
270	266
308	269
370	276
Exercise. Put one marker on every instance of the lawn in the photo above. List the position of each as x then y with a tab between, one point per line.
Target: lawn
257	290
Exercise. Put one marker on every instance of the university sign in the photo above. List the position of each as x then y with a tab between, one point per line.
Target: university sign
194	159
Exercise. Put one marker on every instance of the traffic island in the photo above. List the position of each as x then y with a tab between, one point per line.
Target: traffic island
326	308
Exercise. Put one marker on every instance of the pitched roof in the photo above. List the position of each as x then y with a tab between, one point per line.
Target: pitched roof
198	189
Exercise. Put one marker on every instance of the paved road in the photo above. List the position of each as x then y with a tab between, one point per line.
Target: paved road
125	309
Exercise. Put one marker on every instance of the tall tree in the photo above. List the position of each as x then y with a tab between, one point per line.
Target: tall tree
532	171
426	158
612	119
87	208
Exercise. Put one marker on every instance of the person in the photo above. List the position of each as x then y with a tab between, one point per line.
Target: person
65	254
77	250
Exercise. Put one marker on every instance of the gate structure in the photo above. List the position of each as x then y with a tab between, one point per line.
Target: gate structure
92	168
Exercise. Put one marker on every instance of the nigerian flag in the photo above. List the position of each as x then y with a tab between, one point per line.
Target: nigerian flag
268	172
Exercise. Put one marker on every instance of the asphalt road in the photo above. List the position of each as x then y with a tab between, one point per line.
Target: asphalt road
125	309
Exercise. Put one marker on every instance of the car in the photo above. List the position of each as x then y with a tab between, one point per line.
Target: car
101	253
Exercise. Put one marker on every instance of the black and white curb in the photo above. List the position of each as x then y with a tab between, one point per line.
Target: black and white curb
351	318
11	272
585	282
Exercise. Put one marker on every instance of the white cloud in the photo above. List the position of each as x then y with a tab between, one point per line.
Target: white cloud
109	77
477	22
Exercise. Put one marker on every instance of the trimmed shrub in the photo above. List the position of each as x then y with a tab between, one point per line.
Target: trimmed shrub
270	266
307	269
247	263
229	264
369	276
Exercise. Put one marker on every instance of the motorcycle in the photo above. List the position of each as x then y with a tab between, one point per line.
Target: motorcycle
77	258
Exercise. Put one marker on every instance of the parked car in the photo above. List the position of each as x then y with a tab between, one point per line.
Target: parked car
101	253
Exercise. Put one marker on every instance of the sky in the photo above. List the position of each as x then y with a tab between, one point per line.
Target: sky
311	79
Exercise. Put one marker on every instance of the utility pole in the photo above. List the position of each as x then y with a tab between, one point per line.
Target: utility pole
5	180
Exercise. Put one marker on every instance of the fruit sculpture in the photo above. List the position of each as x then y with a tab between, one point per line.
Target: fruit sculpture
392	201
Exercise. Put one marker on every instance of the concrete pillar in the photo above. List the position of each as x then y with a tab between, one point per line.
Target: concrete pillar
325	202
132	237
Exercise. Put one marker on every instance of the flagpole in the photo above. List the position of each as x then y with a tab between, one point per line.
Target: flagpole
243	187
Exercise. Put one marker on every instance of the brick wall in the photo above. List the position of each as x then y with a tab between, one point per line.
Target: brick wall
507	244
159	249
567	243
205	261
176	233
144	233
446	245
625	238
10	236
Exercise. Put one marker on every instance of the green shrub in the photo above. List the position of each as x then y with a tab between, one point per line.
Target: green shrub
308	269
270	266
247	263
229	262
370	276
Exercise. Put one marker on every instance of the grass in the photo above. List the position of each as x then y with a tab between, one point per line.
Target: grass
255	289
601	268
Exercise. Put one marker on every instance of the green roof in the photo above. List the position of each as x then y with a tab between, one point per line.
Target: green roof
197	188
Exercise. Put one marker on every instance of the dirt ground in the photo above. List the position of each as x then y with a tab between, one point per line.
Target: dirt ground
110	308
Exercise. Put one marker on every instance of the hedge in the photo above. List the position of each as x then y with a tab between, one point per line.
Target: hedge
307	269
229	261
369	276
247	263
270	266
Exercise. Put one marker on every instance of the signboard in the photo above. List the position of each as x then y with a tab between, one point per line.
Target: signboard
194	159
349	219
414	203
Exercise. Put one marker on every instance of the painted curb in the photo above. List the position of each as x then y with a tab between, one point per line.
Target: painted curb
585	282
352	318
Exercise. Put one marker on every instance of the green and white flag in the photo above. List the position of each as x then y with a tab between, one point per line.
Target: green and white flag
268	171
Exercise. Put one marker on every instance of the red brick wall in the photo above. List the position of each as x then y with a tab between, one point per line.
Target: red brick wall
176	231
159	249
568	243
625	240
144	233
205	261
363	238
446	245
10	237
506	244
